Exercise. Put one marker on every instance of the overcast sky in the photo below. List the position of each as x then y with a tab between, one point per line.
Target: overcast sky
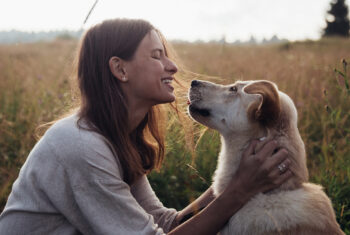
177	19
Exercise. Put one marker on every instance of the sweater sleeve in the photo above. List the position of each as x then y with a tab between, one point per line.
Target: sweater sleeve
103	202
145	195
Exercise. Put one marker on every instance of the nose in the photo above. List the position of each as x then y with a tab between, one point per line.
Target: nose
171	67
194	83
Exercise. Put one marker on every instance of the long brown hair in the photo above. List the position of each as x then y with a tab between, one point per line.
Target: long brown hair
103	105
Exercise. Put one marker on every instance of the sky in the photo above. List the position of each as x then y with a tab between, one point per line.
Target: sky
189	20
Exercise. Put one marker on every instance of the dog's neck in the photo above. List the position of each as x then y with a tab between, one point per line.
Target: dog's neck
233	146
238	142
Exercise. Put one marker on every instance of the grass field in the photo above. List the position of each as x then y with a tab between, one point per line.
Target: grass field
35	88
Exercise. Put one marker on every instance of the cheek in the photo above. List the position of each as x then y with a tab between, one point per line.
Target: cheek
238	119
153	74
147	74
154	67
147	67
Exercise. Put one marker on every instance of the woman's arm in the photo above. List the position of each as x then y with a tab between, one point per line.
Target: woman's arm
256	173
213	217
195	207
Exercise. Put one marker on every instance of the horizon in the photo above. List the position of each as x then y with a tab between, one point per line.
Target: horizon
16	36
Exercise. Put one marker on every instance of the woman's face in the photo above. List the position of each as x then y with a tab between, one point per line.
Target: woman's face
150	73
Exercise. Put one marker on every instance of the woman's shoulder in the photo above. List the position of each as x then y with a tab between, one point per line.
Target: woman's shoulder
65	128
73	145
70	131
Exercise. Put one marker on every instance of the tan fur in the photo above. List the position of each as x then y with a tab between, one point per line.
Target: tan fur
259	109
269	110
276	113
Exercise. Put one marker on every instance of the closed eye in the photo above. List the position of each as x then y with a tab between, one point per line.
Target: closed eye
156	54
233	89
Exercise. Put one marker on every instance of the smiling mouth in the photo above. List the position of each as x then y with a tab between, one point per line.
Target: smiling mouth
202	112
167	80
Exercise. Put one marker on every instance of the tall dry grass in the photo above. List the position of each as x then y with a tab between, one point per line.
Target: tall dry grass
35	88
306	72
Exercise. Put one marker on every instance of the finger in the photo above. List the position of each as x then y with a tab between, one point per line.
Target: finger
250	149
276	172
267	149
280	156
284	177
284	166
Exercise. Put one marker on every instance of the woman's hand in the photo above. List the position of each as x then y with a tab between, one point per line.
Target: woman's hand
256	173
259	172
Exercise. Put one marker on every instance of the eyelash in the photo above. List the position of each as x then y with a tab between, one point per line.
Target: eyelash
156	55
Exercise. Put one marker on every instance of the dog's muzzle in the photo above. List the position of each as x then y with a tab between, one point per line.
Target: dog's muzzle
195	98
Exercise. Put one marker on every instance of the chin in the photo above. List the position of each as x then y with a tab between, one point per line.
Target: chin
164	100
170	98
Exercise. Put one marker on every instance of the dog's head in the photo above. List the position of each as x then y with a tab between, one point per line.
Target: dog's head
248	109
235	108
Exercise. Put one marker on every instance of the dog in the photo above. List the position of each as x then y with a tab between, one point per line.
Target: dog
248	110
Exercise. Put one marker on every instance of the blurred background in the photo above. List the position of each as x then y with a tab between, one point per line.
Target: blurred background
195	20
302	46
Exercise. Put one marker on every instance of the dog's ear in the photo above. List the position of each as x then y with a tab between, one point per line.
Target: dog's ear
268	109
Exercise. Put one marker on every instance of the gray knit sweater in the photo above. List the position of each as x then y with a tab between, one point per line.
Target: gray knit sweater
72	184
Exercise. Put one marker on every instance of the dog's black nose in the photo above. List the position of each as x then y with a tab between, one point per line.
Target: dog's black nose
194	83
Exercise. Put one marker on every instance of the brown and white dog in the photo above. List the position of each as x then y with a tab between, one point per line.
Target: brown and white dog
249	110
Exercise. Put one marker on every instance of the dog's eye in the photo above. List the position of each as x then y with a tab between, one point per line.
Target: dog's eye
233	88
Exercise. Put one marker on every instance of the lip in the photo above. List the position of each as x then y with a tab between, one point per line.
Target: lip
168	85
167	78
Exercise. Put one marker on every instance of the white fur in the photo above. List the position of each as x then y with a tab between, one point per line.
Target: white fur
267	212
281	210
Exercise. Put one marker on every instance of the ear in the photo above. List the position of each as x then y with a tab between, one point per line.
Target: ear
268	110
116	66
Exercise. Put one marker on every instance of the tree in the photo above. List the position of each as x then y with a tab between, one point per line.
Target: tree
337	20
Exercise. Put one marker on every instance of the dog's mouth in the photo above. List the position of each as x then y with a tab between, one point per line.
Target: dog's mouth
202	112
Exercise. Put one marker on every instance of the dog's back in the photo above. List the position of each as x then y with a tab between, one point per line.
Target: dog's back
306	210
296	207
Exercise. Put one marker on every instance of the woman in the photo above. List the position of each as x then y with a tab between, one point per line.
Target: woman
87	174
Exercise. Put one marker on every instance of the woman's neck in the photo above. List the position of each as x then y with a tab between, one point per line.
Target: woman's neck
136	114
